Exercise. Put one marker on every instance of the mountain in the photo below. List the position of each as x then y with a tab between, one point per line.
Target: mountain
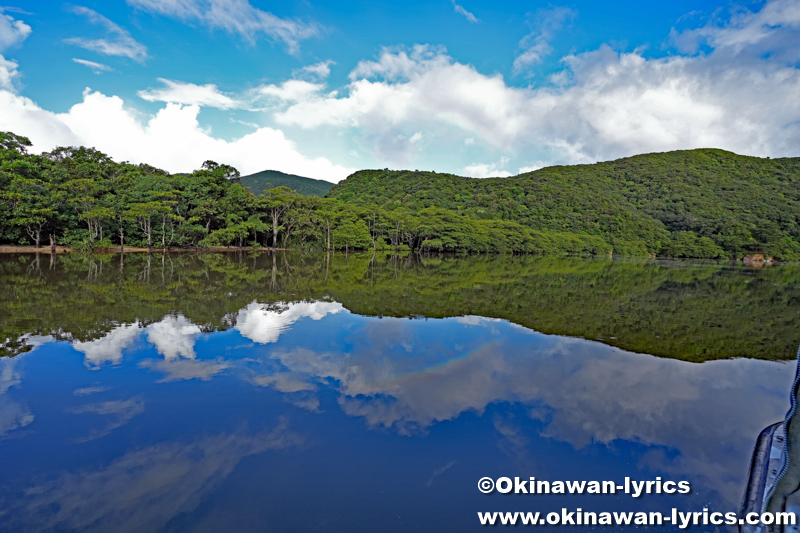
268	179
689	203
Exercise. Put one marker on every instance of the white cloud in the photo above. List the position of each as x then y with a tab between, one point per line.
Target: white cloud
604	104
97	68
189	94
12	31
291	91
233	16
487	170
317	71
461	11
265	323
172	139
536	165
8	73
108	349
770	30
536	45
118	43
173	337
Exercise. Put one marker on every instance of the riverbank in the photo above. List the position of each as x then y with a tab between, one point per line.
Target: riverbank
14	249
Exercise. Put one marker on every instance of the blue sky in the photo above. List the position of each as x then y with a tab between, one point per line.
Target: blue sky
323	88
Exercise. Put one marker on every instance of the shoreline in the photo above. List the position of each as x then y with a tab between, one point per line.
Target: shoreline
751	260
59	250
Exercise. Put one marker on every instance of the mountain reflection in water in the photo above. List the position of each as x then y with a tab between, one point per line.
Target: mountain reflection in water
290	412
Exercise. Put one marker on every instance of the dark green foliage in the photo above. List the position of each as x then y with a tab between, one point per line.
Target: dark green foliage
700	203
269	179
683	310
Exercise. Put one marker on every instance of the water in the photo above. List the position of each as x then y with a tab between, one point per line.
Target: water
291	393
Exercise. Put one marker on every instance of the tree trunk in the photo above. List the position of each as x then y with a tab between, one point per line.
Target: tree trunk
121	236
275	231
38	237
52	244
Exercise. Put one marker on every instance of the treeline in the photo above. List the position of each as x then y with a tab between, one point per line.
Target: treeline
696	203
81	198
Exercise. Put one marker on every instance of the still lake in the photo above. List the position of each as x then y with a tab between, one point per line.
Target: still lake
288	392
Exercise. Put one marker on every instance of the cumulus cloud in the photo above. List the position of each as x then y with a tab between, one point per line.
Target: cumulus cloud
772	30
604	104
172	139
737	94
265	323
535	46
97	68
117	43
143	489
8	74
317	71
462	11
108	349
189	94
11	31
233	16
291	91
173	337
487	170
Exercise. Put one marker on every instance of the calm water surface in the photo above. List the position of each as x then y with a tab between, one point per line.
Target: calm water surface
290	393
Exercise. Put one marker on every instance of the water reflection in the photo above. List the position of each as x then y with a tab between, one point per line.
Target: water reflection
692	421
13	415
264	323
298	414
143	489
108	348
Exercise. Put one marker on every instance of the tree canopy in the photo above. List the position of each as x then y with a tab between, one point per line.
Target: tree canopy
697	203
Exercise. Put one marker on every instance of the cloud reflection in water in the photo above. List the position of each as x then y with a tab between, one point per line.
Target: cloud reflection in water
143	489
696	420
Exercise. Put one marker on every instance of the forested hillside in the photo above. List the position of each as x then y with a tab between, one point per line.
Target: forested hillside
695	203
261	182
700	203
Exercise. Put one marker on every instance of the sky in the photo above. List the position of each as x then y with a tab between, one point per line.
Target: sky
322	88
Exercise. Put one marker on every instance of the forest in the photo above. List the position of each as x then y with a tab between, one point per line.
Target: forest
697	203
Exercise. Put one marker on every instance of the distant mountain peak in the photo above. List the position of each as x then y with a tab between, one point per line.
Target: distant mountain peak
268	179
